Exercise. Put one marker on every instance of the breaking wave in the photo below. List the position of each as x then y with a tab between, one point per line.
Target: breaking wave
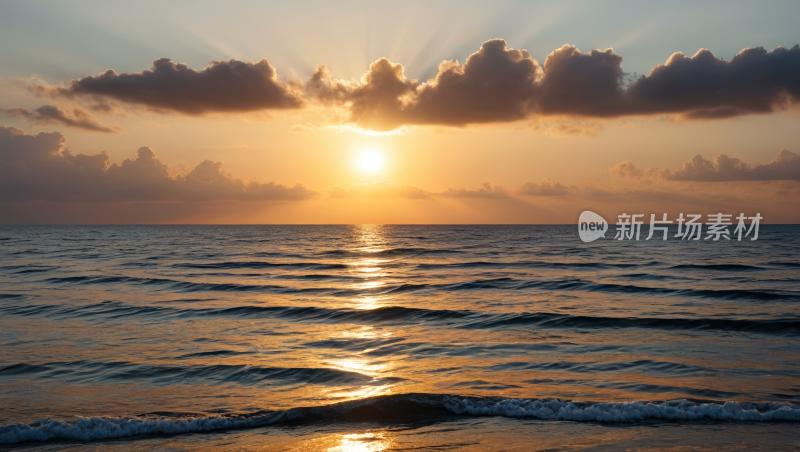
402	408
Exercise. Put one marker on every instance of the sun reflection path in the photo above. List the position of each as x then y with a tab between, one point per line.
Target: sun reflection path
372	275
361	442
370	239
364	367
361	366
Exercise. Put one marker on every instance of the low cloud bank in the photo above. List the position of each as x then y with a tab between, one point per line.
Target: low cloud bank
41	168
379	190
487	191
784	167
548	187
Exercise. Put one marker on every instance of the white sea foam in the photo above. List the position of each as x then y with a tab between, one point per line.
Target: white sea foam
682	410
98	428
94	428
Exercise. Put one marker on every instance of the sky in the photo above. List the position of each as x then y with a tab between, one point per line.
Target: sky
396	112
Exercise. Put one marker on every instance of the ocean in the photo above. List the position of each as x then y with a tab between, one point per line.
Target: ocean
381	337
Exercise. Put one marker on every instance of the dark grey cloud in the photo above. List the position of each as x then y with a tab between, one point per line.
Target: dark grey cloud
704	86
501	84
583	84
495	84
222	86
377	102
40	168
50	114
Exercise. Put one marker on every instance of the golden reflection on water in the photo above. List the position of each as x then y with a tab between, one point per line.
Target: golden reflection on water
364	332
361	366
361	442
372	237
338	442
364	367
360	393
373	240
369	302
367	269
368	285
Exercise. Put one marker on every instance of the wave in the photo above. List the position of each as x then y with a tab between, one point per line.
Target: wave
787	264
27	269
391	252
183	286
92	371
534	264
403	315
720	267
723	294
403	408
261	265
503	283
703	393
604	368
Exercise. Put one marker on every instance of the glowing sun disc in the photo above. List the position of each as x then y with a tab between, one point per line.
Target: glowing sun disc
370	161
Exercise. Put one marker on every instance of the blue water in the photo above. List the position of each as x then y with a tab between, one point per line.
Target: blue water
145	331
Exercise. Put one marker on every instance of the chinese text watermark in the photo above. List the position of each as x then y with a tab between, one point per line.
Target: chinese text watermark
592	226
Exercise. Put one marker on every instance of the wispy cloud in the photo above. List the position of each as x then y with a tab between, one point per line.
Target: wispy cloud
50	114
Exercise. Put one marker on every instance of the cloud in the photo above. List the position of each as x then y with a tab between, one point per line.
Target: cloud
376	102
625	169
379	190
786	166
207	181
706	87
50	114
40	168
496	84
222	86
582	84
548	187
502	84
487	191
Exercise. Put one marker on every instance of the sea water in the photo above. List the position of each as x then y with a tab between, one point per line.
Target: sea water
371	337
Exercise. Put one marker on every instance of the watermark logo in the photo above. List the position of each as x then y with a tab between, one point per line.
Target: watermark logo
591	226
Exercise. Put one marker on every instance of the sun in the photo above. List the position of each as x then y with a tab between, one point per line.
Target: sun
370	161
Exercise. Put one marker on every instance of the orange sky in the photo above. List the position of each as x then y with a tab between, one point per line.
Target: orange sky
502	135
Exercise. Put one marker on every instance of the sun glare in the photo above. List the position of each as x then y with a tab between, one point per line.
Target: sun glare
370	161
